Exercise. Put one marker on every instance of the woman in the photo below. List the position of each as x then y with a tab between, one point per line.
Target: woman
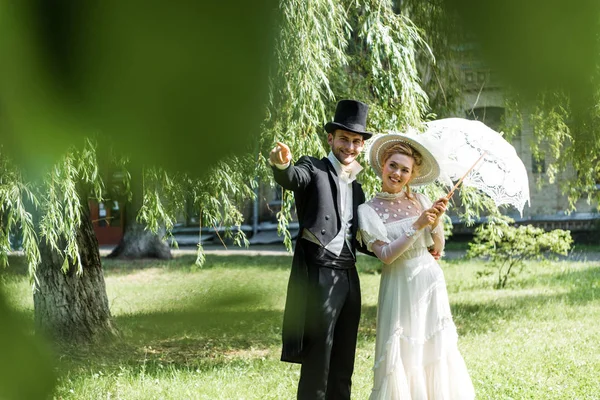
416	354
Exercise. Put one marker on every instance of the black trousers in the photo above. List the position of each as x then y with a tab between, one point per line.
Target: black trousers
333	315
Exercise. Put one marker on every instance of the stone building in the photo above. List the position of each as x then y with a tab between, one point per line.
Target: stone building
483	100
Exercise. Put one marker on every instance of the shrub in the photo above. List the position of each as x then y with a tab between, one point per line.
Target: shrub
507	246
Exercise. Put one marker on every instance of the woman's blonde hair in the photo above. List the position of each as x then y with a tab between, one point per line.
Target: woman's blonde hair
407	150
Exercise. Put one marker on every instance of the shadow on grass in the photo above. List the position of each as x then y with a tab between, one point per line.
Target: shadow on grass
483	316
224	328
240	329
212	333
17	266
475	317
201	338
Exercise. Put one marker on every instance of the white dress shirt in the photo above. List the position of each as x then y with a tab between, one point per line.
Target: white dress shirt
346	175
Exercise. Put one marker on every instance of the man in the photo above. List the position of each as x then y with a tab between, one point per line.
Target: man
322	308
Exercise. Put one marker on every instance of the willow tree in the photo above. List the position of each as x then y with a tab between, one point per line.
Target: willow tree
16	198
219	197
372	51
70	300
215	198
69	294
566	135
326	51
142	188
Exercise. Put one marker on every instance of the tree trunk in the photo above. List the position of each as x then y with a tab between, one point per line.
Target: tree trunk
69	306
137	241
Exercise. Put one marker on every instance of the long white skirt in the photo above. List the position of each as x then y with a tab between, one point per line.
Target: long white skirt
416	354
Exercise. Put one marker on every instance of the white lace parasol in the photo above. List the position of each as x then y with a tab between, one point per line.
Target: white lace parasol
458	143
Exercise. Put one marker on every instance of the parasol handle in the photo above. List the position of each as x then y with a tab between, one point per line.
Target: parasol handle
449	195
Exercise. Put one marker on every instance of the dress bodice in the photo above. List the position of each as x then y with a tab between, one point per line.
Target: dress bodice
386	218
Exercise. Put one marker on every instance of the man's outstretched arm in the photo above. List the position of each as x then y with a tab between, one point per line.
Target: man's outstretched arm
291	177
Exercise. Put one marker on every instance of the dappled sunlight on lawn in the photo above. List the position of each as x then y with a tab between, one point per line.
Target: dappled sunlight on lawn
202	328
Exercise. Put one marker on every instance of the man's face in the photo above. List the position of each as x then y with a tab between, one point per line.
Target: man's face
345	146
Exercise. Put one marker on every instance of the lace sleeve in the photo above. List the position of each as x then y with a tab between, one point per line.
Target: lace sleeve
370	227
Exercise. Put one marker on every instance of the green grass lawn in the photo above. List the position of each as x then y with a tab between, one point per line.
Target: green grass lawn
214	333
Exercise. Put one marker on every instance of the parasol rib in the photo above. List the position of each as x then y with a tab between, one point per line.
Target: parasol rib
449	195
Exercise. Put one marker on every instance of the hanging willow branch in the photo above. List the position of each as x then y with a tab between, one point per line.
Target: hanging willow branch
67	186
329	50
15	198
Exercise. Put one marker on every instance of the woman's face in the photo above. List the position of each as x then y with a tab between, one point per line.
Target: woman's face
396	173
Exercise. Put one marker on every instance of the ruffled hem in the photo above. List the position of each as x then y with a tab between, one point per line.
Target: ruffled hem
395	338
445	378
394	383
434	382
399	335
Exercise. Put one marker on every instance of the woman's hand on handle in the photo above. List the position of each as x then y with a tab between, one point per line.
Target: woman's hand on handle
426	218
440	207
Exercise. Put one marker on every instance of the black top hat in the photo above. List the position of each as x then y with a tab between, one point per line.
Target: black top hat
351	116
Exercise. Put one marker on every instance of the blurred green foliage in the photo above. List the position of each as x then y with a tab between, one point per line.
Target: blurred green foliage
538	44
178	85
26	369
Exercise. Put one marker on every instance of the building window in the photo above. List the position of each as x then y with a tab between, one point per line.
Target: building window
102	215
115	214
491	116
481	77
469	77
538	164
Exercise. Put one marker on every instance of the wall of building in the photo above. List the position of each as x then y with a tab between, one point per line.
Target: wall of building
546	198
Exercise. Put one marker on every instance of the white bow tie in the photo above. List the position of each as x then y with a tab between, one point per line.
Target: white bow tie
345	176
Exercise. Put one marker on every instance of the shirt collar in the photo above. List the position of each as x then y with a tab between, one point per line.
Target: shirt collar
353	169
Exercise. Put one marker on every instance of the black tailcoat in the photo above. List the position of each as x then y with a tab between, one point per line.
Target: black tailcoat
317	196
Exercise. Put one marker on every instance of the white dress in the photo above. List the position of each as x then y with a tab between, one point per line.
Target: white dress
416	354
